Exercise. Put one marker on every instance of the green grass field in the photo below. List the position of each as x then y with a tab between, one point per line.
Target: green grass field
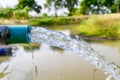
101	26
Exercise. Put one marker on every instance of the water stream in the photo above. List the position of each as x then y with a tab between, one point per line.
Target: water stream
53	38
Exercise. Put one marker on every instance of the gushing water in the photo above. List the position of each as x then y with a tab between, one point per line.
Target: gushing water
58	39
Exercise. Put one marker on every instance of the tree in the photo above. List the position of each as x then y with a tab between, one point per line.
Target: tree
117	4
58	4
6	13
29	3
85	5
113	5
107	3
70	5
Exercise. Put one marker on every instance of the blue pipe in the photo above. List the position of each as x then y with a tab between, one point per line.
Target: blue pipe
19	34
16	33
5	50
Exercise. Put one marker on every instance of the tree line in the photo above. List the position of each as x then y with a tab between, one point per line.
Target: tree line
112	5
22	9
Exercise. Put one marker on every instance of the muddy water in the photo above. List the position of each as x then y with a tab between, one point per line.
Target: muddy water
55	64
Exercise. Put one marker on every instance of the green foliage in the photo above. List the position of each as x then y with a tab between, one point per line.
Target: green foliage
58	4
44	15
21	13
29	3
113	8
117	1
56	21
6	13
107	3
85	4
47	21
70	4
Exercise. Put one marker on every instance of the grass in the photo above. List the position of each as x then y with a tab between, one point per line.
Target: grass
56	21
101	26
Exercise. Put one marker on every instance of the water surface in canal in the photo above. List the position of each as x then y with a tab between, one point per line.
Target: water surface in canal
51	63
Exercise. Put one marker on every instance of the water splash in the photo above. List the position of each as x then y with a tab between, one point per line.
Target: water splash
109	77
54	38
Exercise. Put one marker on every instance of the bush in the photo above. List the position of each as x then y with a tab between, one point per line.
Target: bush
21	13
6	13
